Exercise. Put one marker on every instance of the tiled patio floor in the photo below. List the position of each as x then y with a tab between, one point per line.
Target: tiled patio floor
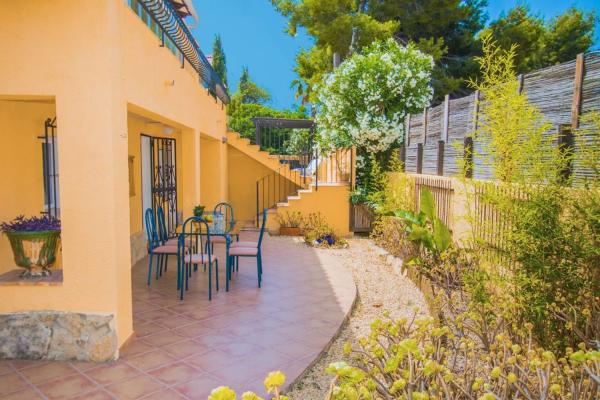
185	349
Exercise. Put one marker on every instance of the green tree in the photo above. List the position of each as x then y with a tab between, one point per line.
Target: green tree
249	92
543	43
445	29
219	61
524	29
338	26
248	102
569	34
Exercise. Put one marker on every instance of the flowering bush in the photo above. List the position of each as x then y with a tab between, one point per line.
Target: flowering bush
365	101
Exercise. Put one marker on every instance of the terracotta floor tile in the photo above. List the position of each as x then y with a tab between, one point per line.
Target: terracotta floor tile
138	346
45	372
185	348
238	372
167	394
211	360
148	328
175	321
5	367
22	364
163	338
198	388
178	372
240	348
112	373
67	387
151	360
27	394
234	340
96	395
84	366
134	388
10	383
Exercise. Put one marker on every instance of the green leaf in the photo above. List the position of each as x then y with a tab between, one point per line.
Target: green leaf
427	204
441	235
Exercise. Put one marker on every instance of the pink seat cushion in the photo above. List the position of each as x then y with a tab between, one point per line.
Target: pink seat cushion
165	250
243	251
175	242
200	258
217	239
244	244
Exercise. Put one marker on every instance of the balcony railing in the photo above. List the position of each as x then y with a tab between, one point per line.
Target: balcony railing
163	19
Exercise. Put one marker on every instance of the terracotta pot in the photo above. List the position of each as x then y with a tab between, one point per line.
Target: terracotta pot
34	251
290	231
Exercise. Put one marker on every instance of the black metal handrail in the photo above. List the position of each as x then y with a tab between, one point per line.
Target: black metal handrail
163	13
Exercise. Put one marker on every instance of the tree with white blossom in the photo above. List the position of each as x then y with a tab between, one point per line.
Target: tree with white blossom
365	101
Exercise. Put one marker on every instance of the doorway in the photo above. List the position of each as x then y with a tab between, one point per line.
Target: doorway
159	178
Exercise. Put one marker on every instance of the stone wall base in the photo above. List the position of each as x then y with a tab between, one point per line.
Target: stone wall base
139	247
57	335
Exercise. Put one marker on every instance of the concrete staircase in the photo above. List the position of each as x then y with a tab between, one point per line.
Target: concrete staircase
270	161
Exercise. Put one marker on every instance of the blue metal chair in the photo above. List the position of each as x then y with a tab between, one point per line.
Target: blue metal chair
248	249
156	247
195	229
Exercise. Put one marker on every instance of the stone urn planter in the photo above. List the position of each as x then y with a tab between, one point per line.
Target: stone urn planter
34	242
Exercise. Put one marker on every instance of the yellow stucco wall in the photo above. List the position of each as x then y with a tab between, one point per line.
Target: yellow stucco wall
21	172
243	174
332	201
99	61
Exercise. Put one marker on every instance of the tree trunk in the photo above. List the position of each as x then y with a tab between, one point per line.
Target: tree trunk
362	5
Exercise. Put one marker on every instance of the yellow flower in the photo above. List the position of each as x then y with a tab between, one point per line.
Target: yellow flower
496	372
222	393
512	378
555	389
275	379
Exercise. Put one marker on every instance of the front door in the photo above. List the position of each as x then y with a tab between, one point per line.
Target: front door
159	178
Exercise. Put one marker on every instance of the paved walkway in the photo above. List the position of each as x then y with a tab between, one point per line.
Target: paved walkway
185	349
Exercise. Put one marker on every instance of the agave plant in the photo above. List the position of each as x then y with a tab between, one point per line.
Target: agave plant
424	228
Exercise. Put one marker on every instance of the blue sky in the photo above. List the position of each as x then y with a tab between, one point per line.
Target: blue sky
253	35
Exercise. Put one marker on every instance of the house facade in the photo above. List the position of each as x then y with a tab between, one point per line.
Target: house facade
107	108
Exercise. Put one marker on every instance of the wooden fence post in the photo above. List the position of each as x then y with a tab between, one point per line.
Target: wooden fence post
424	126
566	143
407	130
476	111
445	124
403	157
576	105
521	80
440	157
420	158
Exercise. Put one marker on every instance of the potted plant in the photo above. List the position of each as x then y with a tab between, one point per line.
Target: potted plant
199	211
34	242
290	224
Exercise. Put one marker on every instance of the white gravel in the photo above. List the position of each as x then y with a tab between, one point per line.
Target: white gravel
379	289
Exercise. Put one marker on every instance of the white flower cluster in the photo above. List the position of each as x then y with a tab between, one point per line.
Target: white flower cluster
365	101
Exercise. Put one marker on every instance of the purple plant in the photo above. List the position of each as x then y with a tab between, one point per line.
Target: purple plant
33	224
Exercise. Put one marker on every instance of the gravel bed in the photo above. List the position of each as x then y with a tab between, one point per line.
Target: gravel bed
379	289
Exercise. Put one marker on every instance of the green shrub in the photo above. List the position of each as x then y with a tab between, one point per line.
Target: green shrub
418	359
292	219
318	233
